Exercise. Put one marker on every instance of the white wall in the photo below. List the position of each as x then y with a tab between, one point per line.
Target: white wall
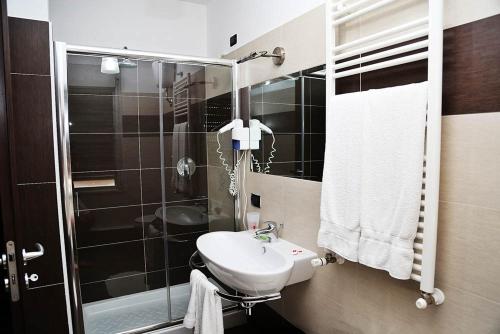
29	9
169	26
249	19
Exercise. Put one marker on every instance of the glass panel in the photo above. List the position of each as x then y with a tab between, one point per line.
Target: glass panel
147	182
116	170
196	187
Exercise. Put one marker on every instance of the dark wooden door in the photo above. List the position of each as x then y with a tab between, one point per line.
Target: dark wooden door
11	310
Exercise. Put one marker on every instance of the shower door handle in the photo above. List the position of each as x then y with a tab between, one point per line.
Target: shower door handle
28	256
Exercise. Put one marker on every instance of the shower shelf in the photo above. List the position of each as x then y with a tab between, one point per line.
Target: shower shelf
247	302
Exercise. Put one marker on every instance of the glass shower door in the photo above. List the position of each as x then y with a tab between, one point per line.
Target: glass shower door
116	173
146	183
196	198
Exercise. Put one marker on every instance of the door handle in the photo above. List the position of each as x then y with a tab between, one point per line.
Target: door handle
28	256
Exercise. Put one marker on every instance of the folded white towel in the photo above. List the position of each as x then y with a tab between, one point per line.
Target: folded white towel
393	151
204	312
372	177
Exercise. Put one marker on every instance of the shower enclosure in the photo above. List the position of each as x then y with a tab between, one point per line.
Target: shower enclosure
141	179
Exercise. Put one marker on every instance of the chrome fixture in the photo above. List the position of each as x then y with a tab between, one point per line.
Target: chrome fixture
28	256
246	302
327	259
28	278
186	167
278	56
272	227
126	62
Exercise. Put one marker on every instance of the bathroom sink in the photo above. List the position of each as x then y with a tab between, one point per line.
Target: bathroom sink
252	266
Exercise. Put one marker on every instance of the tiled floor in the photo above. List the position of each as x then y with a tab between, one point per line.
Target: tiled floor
264	320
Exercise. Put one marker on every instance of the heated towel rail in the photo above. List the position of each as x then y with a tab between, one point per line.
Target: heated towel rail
413	41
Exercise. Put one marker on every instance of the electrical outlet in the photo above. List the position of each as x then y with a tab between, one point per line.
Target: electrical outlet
255	200
233	40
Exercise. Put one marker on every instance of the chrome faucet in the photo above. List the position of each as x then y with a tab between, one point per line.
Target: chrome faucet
272	227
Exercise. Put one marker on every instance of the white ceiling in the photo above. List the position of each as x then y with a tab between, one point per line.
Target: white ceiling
199	2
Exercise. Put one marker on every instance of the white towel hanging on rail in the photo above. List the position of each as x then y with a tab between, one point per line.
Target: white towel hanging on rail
373	176
392	167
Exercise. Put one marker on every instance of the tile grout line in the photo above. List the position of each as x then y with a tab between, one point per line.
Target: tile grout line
112	279
45	286
31	74
139	132
125	276
471	205
35	183
122	95
144	204
144	239
110	244
128	170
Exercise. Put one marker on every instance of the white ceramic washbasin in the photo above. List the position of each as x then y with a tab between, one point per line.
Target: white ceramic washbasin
254	267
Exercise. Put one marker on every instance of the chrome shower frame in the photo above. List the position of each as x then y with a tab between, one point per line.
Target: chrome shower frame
61	51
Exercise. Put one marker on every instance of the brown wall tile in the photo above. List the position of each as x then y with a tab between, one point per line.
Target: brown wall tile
471	78
29	46
32	109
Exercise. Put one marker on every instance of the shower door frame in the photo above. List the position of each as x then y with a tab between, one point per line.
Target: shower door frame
61	50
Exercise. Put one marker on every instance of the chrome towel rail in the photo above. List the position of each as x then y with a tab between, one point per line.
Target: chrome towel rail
246	302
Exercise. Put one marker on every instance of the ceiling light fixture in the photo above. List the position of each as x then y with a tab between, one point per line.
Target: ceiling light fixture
109	65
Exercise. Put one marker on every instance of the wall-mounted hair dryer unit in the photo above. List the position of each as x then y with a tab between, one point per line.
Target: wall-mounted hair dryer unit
239	134
245	138
256	128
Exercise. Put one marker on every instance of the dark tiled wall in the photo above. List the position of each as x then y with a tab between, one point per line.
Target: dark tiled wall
297	119
34	174
471	71
115	135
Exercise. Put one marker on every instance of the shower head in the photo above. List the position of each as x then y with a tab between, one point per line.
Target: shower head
278	56
253	55
126	62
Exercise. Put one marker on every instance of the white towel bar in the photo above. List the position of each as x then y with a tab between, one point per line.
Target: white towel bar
339	12
381	65
384	33
380	45
362	11
383	54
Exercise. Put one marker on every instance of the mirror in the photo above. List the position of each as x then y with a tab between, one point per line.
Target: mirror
293	107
